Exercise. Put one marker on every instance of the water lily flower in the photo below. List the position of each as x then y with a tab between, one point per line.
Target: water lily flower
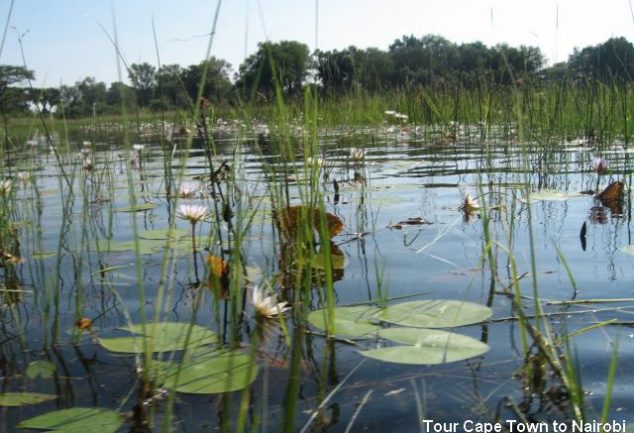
24	177
188	190
267	306
5	187
357	155
138	147
599	164
470	204
192	213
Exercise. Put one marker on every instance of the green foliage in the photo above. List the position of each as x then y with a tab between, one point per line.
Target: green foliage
14	399
282	64
78	419
159	337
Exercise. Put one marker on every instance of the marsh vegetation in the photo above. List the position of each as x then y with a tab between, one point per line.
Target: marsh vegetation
327	255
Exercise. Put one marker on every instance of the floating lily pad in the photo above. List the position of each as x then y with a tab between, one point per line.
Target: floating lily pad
428	346
150	242
435	314
137	208
76	420
338	261
42	368
211	372
164	234
24	398
433	347
162	337
349	321
43	255
548	195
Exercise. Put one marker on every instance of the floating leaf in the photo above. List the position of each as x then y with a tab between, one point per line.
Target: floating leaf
211	372
41	368
349	321
338	261
612	193
428	346
164	234
161	337
24	398
217	267
180	244
76	420
138	207
43	255
435	314
548	195
291	218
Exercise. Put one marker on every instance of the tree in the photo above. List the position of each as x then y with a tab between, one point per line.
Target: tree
13	98
170	86
611	61
143	78
336	69
120	94
216	73
282	64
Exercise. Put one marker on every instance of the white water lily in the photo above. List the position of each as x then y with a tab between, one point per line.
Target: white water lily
188	190
267	306
6	186
357	155
24	177
470	204
192	212
138	147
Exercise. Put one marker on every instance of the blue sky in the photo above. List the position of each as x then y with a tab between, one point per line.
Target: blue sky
63	41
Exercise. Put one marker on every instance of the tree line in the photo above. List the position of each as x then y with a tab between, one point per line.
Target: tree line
288	66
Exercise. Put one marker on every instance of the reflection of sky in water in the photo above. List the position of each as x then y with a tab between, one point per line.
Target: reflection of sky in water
442	259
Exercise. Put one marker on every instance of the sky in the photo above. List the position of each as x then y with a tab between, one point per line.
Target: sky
64	41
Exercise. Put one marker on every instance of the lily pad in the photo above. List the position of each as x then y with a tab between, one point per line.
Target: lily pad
548	195
164	234
150	242
161	337
352	322
138	207
429	346
42	368
433	347
76	420
435	314
211	372
24	398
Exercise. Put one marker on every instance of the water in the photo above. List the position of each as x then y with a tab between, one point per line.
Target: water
401	177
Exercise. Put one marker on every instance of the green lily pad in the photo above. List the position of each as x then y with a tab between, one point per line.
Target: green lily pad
431	350
162	337
548	195
211	372
24	398
151	245
338	261
42	368
164	234
76	420
429	347
137	208
354	322
435	314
